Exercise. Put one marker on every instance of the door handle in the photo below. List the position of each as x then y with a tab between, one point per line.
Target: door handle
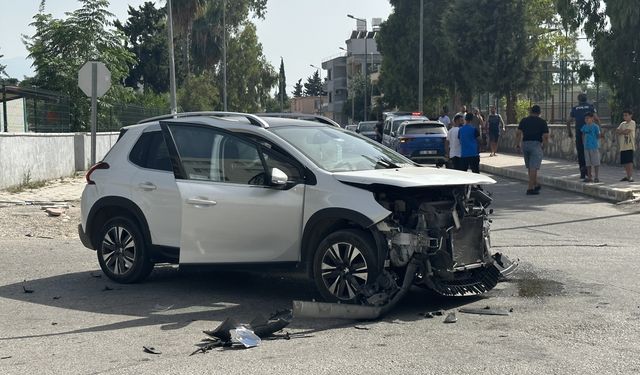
201	202
147	186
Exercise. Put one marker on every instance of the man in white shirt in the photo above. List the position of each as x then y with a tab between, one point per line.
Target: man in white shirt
444	118
452	144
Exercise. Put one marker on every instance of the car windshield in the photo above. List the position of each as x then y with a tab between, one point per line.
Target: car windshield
337	150
424	129
367	126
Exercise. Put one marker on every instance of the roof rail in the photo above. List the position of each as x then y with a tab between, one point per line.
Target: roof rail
302	116
253	119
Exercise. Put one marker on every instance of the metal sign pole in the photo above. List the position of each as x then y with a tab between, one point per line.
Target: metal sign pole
94	109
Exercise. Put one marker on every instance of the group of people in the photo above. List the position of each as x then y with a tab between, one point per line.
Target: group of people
533	135
588	134
468	133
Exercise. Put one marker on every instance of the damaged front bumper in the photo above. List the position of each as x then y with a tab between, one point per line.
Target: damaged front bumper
437	238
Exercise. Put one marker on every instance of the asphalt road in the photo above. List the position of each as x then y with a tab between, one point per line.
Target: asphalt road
575	301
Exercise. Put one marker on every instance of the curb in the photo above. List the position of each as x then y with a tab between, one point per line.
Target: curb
598	191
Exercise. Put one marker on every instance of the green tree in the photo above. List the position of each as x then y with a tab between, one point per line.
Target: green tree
313	86
250	77
298	89
2	68
398	42
59	48
613	31
199	94
146	34
281	93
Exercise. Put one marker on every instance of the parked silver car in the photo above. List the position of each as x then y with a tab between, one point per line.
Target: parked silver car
229	188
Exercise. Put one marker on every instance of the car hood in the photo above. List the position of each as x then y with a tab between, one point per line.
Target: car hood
413	177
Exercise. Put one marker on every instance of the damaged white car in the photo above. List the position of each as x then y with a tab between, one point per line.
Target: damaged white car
227	188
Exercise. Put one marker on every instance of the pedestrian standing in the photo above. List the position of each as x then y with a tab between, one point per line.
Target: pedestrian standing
379	129
532	137
463	111
591	135
478	123
452	143
469	137
627	140
496	125
577	115
444	117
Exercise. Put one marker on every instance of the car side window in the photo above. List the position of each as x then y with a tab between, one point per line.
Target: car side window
387	127
150	151
207	154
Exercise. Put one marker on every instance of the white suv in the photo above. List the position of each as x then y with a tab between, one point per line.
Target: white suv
227	188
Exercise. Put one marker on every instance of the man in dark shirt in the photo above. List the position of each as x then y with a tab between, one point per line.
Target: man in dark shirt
469	137
577	114
532	136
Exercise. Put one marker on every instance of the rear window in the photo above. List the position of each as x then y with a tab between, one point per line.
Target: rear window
424	129
151	152
368	127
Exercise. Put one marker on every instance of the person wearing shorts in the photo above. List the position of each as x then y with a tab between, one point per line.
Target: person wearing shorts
496	124
590	137
532	137
627	140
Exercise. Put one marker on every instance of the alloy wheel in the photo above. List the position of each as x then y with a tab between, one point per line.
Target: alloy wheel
344	270
118	250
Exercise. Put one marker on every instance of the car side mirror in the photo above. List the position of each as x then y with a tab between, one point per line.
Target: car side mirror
278	178
357	130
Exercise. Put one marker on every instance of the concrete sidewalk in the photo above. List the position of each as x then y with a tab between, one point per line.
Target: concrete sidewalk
563	174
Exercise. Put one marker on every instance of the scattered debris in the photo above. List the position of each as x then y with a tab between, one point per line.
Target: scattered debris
451	318
160	308
55	206
54	323
29	235
56	297
361	328
511	310
54	211
245	337
107	288
6	357
485	311
230	332
150	350
431	314
96	275
25	289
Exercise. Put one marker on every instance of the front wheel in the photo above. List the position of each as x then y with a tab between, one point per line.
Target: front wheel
344	262
122	253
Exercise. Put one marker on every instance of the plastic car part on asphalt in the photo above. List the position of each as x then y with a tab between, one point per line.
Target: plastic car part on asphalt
230	332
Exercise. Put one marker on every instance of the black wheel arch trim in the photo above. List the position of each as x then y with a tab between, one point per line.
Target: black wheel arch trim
336	214
121	203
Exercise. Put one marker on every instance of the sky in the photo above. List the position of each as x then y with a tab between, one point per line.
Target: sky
303	32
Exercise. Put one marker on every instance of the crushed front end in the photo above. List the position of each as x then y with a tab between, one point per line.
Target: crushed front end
445	231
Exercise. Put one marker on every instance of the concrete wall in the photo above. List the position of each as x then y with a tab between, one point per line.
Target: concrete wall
45	156
562	147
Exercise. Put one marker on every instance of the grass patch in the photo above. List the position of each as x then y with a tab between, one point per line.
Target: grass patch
26	184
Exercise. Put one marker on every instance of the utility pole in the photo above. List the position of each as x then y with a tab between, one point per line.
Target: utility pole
172	63
421	61
224	53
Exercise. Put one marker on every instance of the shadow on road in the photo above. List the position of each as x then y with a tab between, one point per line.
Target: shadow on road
174	299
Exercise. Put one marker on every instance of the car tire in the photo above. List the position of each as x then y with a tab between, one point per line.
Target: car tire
122	252
344	258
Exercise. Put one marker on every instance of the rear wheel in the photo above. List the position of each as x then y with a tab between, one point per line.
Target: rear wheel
122	253
344	262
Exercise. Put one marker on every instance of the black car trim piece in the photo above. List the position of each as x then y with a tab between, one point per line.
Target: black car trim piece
118	202
333	213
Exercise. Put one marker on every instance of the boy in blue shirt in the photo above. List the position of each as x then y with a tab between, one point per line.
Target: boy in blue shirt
591	134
